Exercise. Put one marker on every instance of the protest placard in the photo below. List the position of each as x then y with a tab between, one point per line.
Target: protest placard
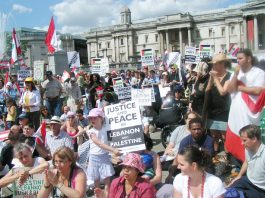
163	91
100	66
23	74
30	188
142	96
117	83
73	59
125	130
190	54
38	70
124	92
205	51
147	57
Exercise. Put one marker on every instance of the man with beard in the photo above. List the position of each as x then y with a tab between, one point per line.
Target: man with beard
7	151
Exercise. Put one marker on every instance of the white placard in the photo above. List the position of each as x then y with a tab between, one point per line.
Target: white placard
100	66
125	130
73	59
142	96
38	70
163	91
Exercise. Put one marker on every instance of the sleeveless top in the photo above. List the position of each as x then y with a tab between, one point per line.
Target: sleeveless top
56	193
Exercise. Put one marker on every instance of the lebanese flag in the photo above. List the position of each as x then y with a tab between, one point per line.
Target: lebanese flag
243	111
51	38
16	49
233	50
4	135
65	76
40	134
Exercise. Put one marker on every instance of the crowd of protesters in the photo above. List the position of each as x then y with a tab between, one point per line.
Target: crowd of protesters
75	150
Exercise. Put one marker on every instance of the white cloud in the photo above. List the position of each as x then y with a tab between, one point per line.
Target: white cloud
79	15
20	8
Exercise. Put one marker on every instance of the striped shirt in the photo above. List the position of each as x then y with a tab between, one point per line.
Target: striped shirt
53	142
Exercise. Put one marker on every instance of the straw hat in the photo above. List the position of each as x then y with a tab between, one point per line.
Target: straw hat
219	58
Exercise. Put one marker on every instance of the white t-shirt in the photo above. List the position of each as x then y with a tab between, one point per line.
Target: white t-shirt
102	137
213	186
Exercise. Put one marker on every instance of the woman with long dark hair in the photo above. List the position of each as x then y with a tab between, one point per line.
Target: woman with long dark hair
194	181
30	102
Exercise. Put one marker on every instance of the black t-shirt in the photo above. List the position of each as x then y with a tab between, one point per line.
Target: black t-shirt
7	155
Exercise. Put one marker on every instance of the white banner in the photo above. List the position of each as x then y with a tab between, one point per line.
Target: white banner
73	59
142	96
125	127
190	54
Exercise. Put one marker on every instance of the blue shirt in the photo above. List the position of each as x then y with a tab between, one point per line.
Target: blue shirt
205	142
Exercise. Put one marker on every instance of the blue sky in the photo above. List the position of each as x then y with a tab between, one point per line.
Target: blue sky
76	16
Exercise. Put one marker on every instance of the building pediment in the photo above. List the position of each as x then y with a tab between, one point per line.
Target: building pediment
254	8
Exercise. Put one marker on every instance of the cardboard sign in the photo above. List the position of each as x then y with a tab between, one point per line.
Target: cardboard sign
163	91
100	66
30	188
147	57
142	96
23	74
38	70
190	54
205	51
117	83
73	59
125	127
124	93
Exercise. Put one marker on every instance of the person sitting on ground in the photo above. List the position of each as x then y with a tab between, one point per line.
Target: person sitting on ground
130	184
23	154
71	127
253	184
66	109
177	136
27	137
194	181
66	179
198	138
57	138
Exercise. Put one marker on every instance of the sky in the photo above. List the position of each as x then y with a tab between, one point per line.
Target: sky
77	16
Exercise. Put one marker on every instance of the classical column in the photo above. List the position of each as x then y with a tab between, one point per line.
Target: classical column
180	41
113	58
127	48
161	42
167	40
89	52
227	39
256	33
117	49
245	28
189	36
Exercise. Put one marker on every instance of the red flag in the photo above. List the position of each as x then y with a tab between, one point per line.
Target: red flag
51	39
40	134
251	30
4	135
6	78
16	50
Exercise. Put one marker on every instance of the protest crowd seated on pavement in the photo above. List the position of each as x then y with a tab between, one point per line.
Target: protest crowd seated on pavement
95	137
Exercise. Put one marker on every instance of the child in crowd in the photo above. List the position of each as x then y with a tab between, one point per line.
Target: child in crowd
11	112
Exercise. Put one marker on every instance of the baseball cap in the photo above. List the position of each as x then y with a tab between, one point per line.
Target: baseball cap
23	116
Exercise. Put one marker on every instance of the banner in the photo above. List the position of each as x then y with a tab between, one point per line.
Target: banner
100	66
125	127
124	92
147	57
73	59
30	188
142	96
174	58
190	55
38	70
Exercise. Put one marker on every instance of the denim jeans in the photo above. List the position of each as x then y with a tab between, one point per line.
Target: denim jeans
54	107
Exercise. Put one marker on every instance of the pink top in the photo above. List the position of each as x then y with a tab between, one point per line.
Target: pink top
142	188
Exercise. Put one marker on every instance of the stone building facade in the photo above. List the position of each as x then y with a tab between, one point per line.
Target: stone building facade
242	26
